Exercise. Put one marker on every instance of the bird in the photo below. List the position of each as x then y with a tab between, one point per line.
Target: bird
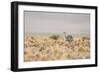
68	38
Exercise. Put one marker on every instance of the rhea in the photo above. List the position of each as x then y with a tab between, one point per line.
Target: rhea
68	38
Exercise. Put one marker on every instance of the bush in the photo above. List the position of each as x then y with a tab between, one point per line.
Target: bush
55	37
85	38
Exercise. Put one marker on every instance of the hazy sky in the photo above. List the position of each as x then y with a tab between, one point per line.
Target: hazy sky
56	22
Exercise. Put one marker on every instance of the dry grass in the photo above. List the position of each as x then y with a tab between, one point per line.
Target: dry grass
44	48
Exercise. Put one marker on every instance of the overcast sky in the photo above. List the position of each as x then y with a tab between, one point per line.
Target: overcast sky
56	22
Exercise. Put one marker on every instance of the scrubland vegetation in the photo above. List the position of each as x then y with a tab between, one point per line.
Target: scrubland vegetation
55	47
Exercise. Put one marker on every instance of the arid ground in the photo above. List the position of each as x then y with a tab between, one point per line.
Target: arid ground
55	47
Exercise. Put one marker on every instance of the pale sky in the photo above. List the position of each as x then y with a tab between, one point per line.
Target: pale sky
44	22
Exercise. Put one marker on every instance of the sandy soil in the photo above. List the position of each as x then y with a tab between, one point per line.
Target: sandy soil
44	48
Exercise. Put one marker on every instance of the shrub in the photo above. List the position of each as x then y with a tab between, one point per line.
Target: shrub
85	38
55	37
